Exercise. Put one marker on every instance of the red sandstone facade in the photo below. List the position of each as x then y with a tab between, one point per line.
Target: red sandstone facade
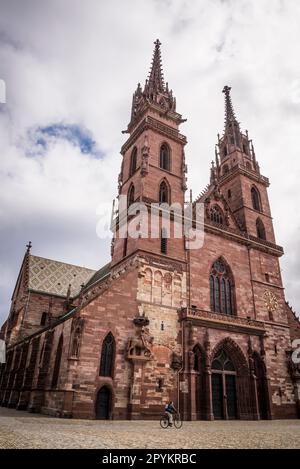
208	328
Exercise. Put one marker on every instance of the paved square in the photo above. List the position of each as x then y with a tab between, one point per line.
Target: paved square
24	430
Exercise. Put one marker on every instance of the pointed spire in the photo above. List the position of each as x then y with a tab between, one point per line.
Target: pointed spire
156	76
155	92
229	111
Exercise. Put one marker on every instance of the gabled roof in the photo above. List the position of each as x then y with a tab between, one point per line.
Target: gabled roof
211	192
54	277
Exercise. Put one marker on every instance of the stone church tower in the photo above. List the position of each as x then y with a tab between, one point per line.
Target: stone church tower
208	328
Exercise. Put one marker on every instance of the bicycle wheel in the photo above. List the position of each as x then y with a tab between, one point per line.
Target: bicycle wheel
164	422
177	421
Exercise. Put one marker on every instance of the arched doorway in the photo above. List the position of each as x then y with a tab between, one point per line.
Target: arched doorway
261	388
103	403
224	396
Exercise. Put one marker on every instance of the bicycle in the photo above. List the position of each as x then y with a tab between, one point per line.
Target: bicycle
164	421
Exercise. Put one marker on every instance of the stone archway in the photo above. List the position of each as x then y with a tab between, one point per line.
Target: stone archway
230	382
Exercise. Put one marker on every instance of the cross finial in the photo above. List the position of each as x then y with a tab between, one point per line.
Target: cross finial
226	89
29	245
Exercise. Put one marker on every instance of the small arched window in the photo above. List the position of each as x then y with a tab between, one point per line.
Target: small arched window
131	196
225	152
221	288
133	161
260	229
163	241
255	197
44	319
164	157
163	193
107	356
248	166
216	215
57	362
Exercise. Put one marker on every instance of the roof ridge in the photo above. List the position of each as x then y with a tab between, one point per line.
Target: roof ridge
61	262
292	311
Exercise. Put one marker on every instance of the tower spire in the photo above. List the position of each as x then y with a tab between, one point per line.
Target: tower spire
230	117
155	94
232	127
156	77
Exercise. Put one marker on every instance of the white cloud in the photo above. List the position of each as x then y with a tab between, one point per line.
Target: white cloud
79	62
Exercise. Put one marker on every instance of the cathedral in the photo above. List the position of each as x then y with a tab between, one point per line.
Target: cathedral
208	328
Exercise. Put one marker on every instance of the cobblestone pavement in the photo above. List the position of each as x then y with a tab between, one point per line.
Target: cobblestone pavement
24	430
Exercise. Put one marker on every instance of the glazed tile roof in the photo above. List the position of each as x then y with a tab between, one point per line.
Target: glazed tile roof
54	277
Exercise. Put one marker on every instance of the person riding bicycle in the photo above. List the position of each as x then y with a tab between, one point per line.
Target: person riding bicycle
170	410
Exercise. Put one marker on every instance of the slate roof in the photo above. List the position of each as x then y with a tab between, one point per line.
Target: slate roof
100	274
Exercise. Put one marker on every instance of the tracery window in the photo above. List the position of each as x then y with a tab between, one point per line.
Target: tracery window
216	215
222	362
221	289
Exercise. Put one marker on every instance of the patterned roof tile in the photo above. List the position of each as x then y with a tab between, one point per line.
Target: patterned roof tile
54	277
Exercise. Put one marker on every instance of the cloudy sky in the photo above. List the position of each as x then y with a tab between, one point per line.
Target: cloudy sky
70	68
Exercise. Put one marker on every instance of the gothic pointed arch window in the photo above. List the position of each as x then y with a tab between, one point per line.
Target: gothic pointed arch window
107	356
133	162
260	229
164	157
222	362
163	193
56	368
221	288
131	195
255	197
216	215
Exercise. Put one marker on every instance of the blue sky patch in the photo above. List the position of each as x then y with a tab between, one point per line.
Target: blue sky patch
76	135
